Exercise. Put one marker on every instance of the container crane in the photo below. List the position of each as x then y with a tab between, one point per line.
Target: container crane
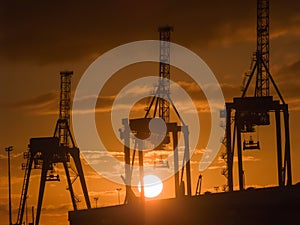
45	152
250	112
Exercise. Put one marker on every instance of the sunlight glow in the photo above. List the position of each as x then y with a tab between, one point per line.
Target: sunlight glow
152	185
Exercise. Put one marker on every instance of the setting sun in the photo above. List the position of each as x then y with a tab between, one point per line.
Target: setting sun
153	186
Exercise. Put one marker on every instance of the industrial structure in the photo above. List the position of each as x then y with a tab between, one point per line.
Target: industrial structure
8	150
261	206
274	205
247	113
160	103
46	152
163	90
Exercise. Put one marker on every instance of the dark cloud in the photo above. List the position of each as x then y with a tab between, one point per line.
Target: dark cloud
43	104
289	71
288	82
13	155
52	31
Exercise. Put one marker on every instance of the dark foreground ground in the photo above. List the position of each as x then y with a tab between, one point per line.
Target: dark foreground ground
255	206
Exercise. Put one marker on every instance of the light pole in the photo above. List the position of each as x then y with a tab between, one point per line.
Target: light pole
118	190
96	199
8	150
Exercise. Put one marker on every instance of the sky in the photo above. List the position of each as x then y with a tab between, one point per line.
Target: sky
41	38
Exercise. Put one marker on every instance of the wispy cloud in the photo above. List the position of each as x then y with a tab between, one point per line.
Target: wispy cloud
44	104
12	155
288	82
247	159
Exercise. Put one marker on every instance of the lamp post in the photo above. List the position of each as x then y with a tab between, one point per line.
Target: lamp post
8	150
118	190
96	199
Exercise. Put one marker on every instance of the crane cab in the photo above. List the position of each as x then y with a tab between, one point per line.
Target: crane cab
251	144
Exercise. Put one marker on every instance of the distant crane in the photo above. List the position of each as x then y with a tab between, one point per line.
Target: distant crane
160	103
45	152
247	113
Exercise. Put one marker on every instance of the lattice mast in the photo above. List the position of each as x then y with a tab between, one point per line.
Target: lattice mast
64	107
262	51
164	72
46	152
250	112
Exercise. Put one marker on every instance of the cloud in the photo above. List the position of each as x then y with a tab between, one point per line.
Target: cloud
56	209
199	151
246	159
216	167
288	82
58	31
289	72
235	159
44	104
98	154
189	86
104	103
12	155
156	153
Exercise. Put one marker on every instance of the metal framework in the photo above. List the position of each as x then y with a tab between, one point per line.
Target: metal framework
247	113
140	128
45	152
161	102
163	90
64	106
250	112
262	51
164	72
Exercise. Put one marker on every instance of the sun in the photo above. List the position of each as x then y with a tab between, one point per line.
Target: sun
152	186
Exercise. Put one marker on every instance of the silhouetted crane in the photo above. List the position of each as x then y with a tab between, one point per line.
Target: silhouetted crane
45	152
251	112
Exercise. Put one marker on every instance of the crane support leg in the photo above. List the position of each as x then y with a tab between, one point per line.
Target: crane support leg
187	158
176	166
228	148
287	145
240	159
76	157
279	148
24	191
70	187
45	169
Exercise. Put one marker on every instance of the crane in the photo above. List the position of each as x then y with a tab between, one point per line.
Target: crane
250	112
45	152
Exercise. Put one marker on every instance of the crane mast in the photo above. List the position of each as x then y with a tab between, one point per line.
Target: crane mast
262	51
64	106
45	153
164	72
246	113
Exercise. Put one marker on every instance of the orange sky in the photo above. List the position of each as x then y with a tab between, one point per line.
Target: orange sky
41	39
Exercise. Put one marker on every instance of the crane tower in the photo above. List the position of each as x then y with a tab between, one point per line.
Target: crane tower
262	51
160	102
250	112
46	152
164	72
